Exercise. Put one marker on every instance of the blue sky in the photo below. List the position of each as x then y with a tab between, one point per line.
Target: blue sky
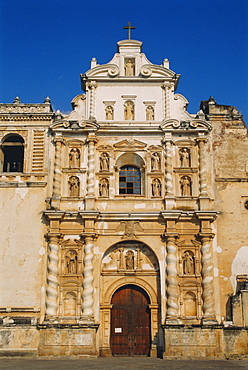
45	45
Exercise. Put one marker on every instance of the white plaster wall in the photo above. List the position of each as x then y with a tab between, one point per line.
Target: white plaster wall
143	93
21	246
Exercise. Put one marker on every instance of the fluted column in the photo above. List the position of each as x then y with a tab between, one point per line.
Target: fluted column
57	168
207	281
92	88
172	311
202	169
88	289
52	277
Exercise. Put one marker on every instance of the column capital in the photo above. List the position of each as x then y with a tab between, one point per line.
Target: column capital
202	140
53	235
58	139
91	138
207	236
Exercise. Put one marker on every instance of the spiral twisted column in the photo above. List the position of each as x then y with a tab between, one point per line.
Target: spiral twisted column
91	167
172	292
202	169
57	167
168	168
207	280
88	289
52	276
92	88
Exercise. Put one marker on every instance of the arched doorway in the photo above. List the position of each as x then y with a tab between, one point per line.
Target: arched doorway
130	322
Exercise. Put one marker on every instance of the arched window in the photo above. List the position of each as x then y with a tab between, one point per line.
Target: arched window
13	154
129	180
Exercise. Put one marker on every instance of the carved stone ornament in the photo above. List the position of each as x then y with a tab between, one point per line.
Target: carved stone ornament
129	68
188	262
184	157
71	262
129	111
73	186
113	71
74	158
104	188
185	184
156	188
146	71
104	162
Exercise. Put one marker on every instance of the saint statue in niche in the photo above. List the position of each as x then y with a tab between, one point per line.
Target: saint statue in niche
188	263
129	260
71	262
185	183
184	157
150	113
155	162
73	186
109	112
104	162
129	111
129	68
74	158
104	188
156	188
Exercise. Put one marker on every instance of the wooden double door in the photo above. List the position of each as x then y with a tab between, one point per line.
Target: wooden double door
130	322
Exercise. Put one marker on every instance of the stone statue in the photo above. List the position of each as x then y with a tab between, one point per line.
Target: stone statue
184	157
185	183
150	113
73	186
155	162
129	111
129	260
156	188
104	188
74	158
129	68
109	112
104	162
71	263
188	263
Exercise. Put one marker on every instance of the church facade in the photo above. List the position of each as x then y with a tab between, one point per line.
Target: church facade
124	223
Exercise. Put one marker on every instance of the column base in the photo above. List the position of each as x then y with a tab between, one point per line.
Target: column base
90	203
169	202
55	203
204	202
173	321
209	321
86	320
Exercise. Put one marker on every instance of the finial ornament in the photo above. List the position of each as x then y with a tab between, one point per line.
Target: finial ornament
129	28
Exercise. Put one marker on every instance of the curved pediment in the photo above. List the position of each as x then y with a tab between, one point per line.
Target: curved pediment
153	70
134	144
183	125
104	70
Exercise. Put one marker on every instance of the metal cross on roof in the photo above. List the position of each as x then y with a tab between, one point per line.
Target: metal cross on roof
129	28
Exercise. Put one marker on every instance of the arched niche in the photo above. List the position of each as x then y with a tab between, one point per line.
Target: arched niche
130	256
130	159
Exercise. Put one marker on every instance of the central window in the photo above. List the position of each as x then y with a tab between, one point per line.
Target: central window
129	180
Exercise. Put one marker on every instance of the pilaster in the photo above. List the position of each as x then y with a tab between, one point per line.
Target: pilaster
90	187
56	195
169	194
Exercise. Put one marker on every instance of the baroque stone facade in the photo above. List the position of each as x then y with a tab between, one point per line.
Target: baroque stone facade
123	223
